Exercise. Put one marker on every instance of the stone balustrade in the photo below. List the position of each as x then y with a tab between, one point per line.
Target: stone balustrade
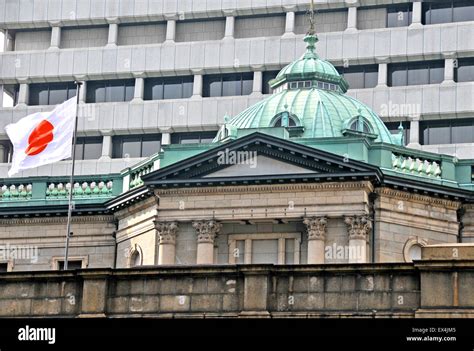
60	190
15	192
416	166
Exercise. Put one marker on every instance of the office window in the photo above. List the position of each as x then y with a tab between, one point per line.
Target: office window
448	11
464	71
393	129
89	148
259	26
455	131
11	95
199	30
360	77
50	93
399	15
7	151
132	146
110	90
193	137
334	20
233	84
168	88
415	73
267	77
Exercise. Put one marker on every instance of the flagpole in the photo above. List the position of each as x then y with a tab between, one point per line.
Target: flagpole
71	179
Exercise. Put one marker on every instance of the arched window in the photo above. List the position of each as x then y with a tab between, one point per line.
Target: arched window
360	125
284	119
414	252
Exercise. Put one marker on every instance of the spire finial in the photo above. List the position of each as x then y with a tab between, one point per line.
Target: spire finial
312	20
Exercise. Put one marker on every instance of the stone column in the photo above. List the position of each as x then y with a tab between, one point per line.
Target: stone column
23	94
9	42
55	37
383	75
449	70
197	86
358	229
2	91
113	34
171	30
257	83
289	24
106	147
416	14
206	233
165	138
139	90
229	27
414	133
352	19
316	227
167	241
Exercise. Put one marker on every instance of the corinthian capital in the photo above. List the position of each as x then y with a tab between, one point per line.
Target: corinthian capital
316	227
167	231
207	230
358	227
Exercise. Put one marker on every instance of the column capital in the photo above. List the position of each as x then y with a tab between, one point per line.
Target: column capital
167	231
358	227
207	230
316	227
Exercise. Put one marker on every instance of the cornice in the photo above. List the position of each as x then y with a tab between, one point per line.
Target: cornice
366	185
404	195
56	220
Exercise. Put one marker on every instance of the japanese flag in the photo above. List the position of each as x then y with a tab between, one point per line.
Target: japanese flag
43	137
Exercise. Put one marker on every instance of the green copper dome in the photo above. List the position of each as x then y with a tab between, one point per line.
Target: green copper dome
308	99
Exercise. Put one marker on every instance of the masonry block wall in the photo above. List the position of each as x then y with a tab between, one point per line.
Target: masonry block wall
383	290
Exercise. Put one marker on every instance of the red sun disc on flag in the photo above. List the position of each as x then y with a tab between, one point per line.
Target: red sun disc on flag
39	138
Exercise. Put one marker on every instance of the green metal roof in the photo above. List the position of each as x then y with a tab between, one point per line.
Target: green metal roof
323	113
310	67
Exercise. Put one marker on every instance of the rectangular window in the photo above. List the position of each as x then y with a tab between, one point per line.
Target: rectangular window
259	26
3	267
448	11
399	15
7	151
88	148
133	146
456	131
200	30
193	137
415	73
464	71
276	248
168	88
50	93
393	128
326	21
234	84
360	77
267	77
119	90
71	265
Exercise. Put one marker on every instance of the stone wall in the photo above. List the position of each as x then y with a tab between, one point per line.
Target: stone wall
401	216
388	290
32	244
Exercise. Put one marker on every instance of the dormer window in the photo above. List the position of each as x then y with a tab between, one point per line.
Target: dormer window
285	119
360	125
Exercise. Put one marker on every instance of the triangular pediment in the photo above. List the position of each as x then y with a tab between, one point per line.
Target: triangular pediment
254	165
259	158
